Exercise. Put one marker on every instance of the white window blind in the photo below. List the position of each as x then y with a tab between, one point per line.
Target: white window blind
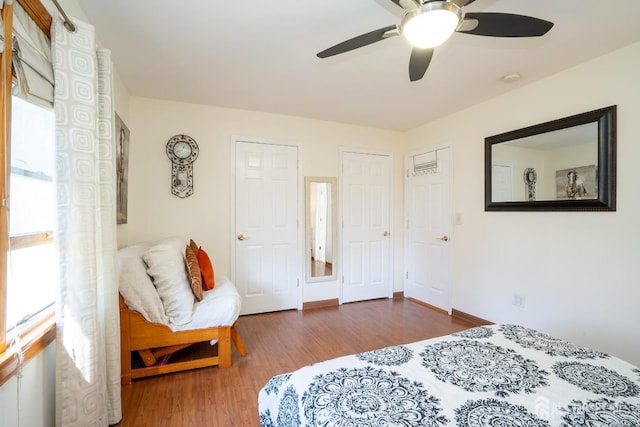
31	60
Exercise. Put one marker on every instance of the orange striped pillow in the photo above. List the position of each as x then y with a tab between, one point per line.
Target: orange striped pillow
195	275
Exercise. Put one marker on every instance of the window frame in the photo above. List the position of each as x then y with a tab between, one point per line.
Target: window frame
40	331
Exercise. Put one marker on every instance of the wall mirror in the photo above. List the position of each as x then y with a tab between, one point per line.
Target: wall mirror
563	165
320	258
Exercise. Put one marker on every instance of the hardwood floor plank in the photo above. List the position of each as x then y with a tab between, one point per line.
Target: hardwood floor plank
277	343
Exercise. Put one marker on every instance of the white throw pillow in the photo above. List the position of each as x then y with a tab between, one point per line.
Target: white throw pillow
136	286
166	265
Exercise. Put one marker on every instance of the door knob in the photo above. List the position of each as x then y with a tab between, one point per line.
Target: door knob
444	238
241	237
386	233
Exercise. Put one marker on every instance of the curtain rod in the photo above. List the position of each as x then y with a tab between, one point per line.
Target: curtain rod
67	22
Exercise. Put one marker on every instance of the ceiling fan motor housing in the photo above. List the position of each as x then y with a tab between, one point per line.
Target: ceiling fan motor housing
432	23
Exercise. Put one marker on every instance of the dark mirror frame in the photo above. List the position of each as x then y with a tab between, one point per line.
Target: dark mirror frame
606	200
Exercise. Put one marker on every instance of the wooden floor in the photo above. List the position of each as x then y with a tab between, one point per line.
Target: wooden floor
319	268
277	343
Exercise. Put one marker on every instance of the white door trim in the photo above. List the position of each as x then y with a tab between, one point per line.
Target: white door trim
235	139
343	150
407	167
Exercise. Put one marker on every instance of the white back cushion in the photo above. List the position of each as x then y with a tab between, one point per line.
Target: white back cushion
166	265
136	286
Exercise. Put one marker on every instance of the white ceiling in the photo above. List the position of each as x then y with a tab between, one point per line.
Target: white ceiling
260	55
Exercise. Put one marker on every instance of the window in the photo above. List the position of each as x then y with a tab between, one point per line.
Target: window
32	263
27	283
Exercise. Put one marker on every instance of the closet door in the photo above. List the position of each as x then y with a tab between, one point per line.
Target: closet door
366	242
428	231
266	226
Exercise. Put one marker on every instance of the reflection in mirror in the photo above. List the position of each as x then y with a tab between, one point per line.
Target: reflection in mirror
566	164
320	228
558	165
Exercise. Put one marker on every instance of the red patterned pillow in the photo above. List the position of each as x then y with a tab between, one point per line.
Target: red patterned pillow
206	267
195	275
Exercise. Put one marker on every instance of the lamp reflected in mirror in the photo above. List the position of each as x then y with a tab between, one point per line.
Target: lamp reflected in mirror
320	229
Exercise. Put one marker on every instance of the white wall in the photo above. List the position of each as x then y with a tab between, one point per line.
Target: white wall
206	215
579	271
29	400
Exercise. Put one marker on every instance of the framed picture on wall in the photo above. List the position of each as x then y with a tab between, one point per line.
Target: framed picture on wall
577	183
122	169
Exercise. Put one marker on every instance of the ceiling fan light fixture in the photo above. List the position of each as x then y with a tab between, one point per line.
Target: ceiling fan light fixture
432	24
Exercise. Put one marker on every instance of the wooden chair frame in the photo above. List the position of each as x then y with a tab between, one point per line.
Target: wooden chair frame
153	340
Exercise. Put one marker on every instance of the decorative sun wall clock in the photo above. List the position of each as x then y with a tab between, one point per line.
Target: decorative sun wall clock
530	177
182	150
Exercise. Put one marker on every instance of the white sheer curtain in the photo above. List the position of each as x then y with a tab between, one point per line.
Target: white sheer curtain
88	340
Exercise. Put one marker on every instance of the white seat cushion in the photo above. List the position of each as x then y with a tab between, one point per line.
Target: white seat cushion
219	307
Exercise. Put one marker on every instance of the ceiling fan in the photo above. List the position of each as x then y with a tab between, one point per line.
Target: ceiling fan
429	23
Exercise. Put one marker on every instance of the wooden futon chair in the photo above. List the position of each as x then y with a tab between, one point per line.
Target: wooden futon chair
159	316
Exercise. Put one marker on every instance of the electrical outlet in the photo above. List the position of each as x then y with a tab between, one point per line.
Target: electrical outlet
518	300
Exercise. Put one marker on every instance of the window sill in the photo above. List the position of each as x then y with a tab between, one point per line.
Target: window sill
33	341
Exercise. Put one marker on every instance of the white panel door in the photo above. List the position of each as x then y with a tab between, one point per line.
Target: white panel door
366	208
428	244
266	222
501	182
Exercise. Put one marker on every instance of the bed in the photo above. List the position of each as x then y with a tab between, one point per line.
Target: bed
497	375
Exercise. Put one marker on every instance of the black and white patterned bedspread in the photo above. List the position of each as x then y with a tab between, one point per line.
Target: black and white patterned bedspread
499	375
